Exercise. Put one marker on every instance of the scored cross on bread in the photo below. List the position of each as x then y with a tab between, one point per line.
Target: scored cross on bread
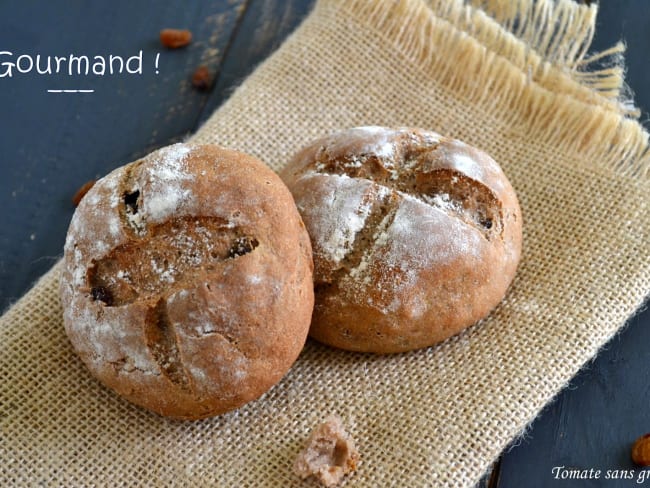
415	236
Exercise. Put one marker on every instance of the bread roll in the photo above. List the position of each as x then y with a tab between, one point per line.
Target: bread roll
187	281
415	236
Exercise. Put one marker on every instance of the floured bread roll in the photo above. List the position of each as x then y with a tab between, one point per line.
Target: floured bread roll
415	236
187	283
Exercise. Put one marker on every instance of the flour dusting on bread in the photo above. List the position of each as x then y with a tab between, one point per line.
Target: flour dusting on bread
176	286
168	183
437	246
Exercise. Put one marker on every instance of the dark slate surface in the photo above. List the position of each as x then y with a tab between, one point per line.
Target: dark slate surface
52	143
594	421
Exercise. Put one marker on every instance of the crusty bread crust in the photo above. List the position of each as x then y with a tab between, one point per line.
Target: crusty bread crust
415	236
187	286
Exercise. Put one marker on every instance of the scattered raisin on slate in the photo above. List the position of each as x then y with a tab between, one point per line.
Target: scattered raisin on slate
641	451
175	38
201	79
81	192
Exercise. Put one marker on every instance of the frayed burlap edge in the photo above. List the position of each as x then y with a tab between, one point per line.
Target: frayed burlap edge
535	41
499	86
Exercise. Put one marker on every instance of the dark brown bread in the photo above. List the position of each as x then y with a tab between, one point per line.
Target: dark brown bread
187	285
415	236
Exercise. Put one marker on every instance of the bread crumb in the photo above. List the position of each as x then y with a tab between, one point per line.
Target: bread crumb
329	455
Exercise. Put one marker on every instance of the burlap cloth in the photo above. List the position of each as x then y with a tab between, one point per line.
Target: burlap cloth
510	77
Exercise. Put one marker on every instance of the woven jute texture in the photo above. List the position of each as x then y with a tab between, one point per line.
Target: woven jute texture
510	77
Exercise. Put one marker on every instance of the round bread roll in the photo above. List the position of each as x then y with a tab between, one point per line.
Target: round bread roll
187	281
415	236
